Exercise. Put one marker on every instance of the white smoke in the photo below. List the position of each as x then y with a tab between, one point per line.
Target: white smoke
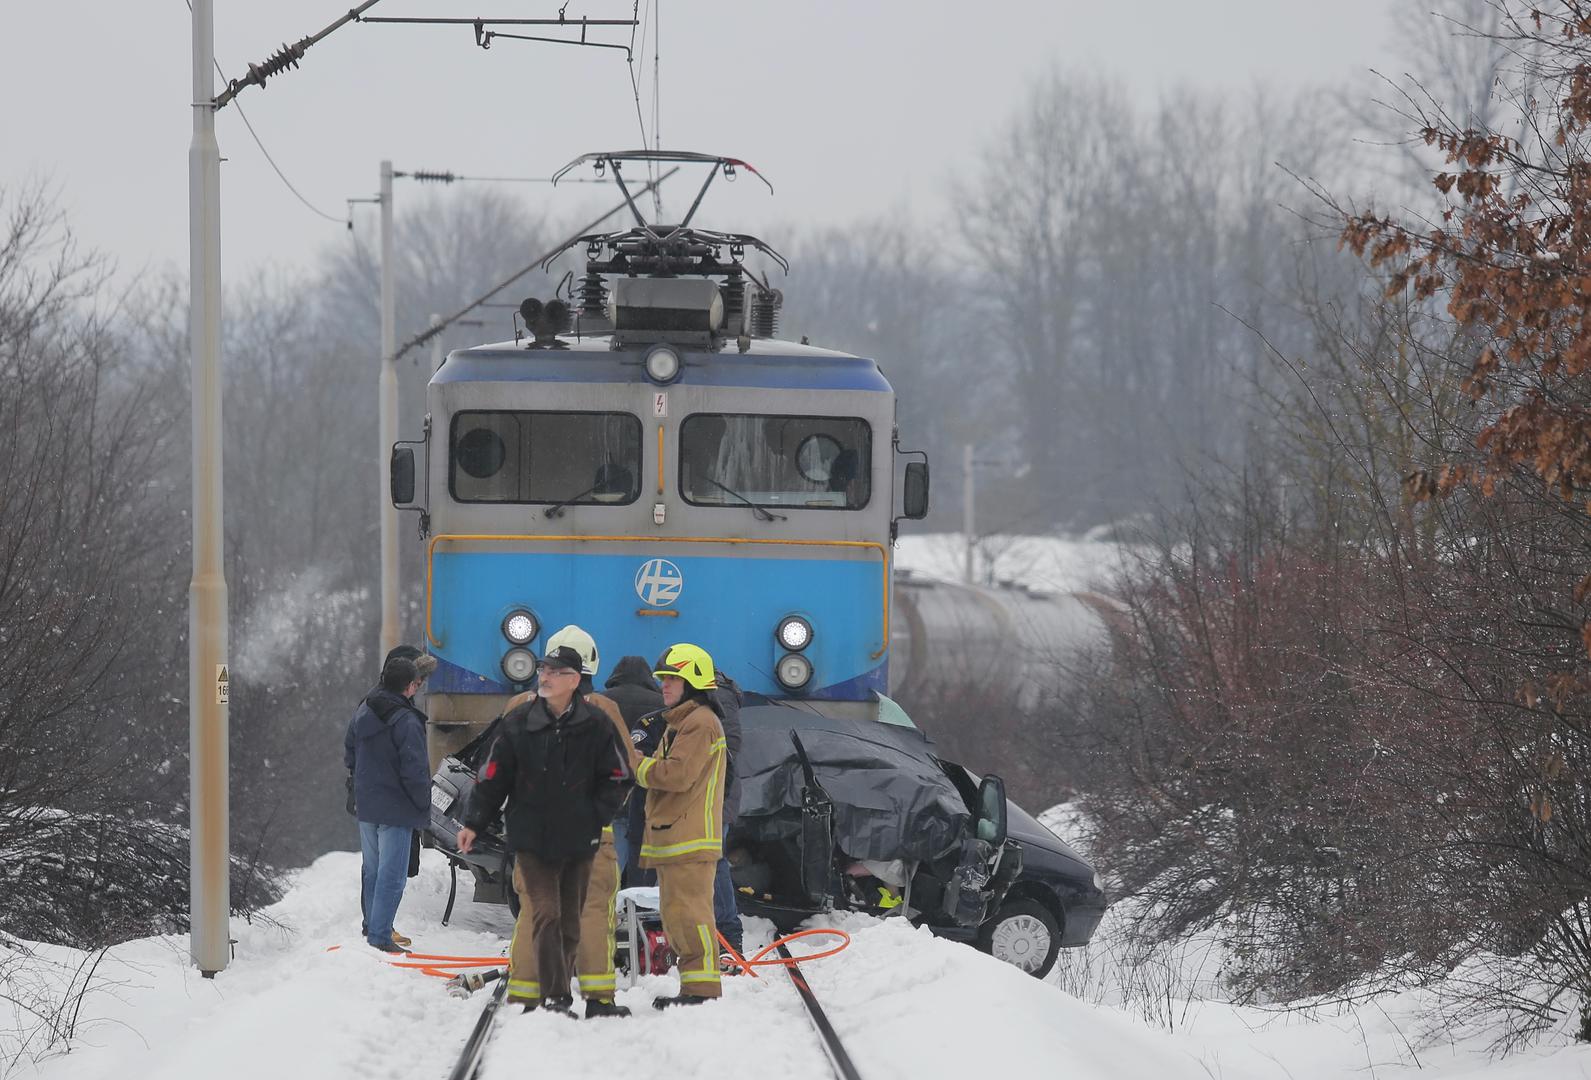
305	628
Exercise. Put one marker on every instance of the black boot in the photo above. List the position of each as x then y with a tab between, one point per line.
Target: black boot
563	1006
678	999
596	1007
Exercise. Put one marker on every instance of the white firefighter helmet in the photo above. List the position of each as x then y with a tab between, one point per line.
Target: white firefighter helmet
582	643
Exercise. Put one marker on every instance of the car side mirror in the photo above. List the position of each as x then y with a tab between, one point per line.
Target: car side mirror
914	499
992	811
402	470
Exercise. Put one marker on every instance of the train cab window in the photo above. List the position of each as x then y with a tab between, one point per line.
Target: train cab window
545	457
798	462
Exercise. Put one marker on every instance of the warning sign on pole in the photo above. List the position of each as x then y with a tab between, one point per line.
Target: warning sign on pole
659	404
222	690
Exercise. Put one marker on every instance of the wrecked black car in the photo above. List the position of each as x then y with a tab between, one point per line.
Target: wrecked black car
863	816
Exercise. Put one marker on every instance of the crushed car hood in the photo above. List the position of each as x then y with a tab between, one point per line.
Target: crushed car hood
891	799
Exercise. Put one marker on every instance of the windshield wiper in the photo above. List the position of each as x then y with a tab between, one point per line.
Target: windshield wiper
761	512
556	509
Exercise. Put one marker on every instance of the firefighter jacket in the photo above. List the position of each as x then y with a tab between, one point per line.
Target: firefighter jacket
564	777
684	781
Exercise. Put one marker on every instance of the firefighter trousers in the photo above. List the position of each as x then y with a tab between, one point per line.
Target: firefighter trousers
547	932
686	899
598	922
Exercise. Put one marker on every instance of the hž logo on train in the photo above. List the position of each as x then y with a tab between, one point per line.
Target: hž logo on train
658	582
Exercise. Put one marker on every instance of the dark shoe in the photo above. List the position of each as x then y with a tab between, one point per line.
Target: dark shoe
596	1007
563	1006
530	1006
678	999
728	965
386	947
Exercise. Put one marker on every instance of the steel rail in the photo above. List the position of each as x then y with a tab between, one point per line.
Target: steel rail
839	1060
469	1062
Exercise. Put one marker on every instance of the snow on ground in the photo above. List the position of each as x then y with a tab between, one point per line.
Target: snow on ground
292	1007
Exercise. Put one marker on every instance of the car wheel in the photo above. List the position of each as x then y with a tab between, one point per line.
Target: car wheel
1023	933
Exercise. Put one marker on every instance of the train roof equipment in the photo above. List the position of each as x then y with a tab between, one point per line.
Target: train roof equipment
663	288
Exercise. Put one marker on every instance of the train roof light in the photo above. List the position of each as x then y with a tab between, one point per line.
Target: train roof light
794	633
793	671
662	365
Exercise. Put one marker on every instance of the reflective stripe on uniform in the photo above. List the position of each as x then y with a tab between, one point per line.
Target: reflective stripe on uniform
524	988
709	972
642	769
591	984
654	851
712	787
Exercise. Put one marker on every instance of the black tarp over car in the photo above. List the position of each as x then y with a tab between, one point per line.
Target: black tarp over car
891	799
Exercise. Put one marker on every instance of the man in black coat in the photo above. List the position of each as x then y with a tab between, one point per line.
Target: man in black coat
632	688
558	762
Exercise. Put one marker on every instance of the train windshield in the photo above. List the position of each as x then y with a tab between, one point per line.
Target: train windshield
545	457
798	462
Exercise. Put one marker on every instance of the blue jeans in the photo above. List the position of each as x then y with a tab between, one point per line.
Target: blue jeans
725	913
621	839
386	868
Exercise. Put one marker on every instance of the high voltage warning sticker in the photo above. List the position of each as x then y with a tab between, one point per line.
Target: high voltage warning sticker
222	684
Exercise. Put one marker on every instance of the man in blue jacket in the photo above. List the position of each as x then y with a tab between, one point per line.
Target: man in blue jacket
385	750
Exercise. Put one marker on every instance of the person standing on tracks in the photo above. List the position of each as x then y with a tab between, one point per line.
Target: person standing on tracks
684	781
593	963
560	764
633	689
384	749
725	701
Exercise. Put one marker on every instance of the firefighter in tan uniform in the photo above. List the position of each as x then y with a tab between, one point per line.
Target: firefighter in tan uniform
593	963
684	782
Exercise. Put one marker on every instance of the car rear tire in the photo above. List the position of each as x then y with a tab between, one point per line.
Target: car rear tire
1024	934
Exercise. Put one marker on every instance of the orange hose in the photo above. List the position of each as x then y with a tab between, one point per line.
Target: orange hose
779	961
438	965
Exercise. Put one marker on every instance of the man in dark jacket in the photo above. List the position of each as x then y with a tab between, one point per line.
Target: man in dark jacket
632	688
424	665
384	749
558	761
726	913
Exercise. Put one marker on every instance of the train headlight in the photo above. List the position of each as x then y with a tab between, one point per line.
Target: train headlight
794	633
794	671
519	665
520	627
662	364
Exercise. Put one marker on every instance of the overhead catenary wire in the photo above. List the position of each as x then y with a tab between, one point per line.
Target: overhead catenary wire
299	195
427	334
287	56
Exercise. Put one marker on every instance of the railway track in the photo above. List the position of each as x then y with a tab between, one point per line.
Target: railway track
469	1062
468	1066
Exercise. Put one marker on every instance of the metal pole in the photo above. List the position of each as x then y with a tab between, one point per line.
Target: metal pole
966	512
391	630
208	677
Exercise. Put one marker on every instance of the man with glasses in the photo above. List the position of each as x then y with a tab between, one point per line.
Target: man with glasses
560	765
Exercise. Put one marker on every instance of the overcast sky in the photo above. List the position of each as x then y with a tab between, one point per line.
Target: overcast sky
851	108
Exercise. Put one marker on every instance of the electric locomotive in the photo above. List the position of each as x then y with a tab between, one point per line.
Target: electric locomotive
649	461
